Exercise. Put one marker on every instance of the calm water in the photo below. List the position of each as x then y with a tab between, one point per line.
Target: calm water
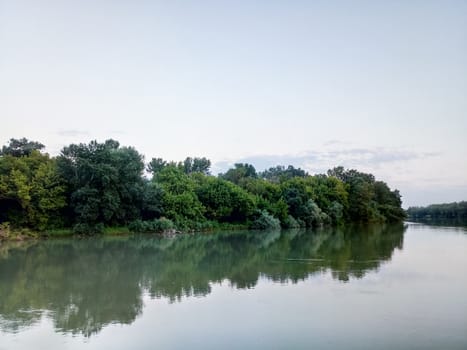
379	287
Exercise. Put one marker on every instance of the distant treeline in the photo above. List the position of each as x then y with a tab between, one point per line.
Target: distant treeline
455	211
96	185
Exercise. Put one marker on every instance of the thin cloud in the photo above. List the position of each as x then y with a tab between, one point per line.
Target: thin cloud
72	133
337	143
117	132
320	161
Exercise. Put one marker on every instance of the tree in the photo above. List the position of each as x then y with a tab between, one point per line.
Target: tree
105	184
224	201
240	172
156	165
196	165
31	191
152	206
280	173
179	200
21	147
369	200
269	196
445	211
327	191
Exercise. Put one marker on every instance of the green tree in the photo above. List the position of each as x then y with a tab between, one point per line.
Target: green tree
269	196
196	165
31	191
21	147
105	183
224	201
280	173
179	200
156	165
240	172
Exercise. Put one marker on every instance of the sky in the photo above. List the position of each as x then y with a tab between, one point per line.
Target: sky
380	86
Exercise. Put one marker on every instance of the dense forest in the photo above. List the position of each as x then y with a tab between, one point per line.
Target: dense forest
89	187
445	211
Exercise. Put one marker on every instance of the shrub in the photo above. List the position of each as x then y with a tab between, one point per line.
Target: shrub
151	226
265	221
88	229
336	212
163	224
5	230
290	222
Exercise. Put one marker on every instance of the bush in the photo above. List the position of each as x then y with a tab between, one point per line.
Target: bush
163	224
301	223
336	212
290	222
314	215
137	226
151	226
265	221
5	230
88	229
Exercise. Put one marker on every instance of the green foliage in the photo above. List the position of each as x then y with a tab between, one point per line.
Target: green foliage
445	211
152	206
5	231
31	191
328	190
368	200
83	228
290	222
151	226
156	165
179	200
297	193
336	212
224	201
196	165
240	172
265	221
269	196
280	173
105	183
188	166
20	148
91	187
57	232
9	233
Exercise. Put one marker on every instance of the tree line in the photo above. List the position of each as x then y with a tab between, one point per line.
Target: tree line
88	187
445	211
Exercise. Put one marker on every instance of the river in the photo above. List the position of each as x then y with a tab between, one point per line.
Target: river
358	287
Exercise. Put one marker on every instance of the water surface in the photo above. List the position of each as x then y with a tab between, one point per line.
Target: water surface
383	286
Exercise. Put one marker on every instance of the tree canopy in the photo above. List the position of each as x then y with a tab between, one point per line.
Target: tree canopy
455	210
91	186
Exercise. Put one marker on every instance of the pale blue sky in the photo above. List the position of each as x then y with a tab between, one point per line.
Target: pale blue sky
376	85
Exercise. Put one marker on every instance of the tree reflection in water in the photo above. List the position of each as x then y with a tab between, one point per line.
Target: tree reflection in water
85	284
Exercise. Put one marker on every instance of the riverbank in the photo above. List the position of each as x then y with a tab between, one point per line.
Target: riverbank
9	234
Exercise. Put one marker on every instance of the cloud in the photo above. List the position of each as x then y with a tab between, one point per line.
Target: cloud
320	161
117	132
337	142
72	133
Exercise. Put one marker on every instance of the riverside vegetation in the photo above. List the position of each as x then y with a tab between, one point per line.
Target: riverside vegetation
102	187
444	214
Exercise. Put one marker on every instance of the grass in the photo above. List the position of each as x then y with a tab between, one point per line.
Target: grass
116	231
59	232
9	234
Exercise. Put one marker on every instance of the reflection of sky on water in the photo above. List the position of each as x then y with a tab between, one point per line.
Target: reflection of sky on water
415	298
